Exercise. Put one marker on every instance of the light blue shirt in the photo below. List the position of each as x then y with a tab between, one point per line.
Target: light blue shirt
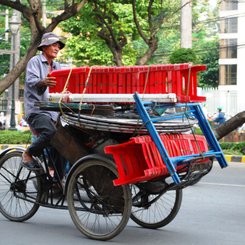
37	69
220	118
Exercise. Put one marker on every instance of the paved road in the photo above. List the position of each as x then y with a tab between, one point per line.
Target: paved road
212	212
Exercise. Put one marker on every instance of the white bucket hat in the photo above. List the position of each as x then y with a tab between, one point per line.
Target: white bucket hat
50	38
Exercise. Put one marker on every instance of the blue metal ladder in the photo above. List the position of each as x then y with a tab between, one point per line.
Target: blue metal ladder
171	162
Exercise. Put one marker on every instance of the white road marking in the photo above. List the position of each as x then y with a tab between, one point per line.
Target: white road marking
221	184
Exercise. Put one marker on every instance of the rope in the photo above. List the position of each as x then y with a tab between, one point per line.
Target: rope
85	87
197	144
188	81
146	79
187	93
64	91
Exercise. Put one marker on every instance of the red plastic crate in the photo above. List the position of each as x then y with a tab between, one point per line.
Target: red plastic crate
76	82
180	79
139	159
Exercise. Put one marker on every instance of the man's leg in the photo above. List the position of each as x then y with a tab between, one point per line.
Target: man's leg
45	129
59	163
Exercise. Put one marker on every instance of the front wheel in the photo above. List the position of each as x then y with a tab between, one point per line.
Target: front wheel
19	188
155	210
99	209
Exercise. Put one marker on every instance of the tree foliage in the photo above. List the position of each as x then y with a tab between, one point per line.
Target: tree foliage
121	32
205	42
130	30
98	34
210	77
183	55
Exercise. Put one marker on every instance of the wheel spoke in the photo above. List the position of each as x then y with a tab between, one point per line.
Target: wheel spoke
98	208
18	194
155	210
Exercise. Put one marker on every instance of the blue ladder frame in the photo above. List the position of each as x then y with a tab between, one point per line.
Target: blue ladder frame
171	162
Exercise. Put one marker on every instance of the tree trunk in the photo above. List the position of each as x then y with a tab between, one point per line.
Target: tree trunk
233	123
148	54
117	58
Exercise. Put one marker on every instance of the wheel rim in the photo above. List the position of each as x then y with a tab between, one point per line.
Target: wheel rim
95	213
155	210
17	195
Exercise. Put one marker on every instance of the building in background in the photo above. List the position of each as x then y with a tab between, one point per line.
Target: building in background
232	56
229	94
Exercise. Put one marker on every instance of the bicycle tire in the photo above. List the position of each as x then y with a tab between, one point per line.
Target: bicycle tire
19	188
158	213
98	209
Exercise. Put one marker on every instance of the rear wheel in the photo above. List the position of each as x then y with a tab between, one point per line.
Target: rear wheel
155	210
19	188
99	209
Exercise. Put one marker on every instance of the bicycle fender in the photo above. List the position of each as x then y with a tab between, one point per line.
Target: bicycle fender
10	149
83	159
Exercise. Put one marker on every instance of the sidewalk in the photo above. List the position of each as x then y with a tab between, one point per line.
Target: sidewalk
229	158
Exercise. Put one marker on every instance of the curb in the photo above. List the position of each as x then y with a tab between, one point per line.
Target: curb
3	146
229	158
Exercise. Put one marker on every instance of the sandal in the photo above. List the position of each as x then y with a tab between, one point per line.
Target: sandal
33	165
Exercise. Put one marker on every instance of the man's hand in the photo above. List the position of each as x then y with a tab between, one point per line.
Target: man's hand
47	82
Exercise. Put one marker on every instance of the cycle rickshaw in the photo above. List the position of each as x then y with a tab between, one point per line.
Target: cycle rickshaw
131	155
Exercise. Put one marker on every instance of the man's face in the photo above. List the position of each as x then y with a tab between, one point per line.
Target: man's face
51	51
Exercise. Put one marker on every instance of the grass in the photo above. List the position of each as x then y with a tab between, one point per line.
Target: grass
232	152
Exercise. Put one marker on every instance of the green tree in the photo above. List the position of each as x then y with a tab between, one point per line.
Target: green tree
31	11
4	58
4	45
130	30
210	57
98	34
205	42
105	30
183	55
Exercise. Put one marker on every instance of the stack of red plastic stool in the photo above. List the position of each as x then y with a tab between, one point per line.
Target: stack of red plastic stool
139	159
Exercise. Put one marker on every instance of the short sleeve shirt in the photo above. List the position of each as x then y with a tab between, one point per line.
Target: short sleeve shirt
37	69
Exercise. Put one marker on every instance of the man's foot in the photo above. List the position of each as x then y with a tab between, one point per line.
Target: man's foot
29	163
33	165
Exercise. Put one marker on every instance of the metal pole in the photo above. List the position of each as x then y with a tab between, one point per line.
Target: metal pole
186	24
44	16
12	115
14	26
6	25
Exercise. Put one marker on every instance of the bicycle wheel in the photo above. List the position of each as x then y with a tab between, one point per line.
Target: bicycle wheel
98	209
155	210
18	188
